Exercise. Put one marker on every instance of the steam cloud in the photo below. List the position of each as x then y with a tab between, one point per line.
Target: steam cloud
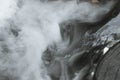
27	27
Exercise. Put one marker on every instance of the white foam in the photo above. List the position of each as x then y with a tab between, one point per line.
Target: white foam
38	25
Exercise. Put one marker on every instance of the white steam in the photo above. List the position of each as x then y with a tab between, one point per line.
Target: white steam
37	25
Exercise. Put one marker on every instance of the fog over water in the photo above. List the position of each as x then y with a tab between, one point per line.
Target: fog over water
27	27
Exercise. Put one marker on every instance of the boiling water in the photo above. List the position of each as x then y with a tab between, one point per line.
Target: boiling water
27	27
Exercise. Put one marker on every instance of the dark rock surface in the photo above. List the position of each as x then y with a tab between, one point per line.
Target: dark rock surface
109	66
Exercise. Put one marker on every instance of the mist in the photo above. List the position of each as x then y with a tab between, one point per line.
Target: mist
27	27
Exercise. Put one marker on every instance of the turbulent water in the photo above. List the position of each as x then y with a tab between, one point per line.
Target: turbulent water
27	27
